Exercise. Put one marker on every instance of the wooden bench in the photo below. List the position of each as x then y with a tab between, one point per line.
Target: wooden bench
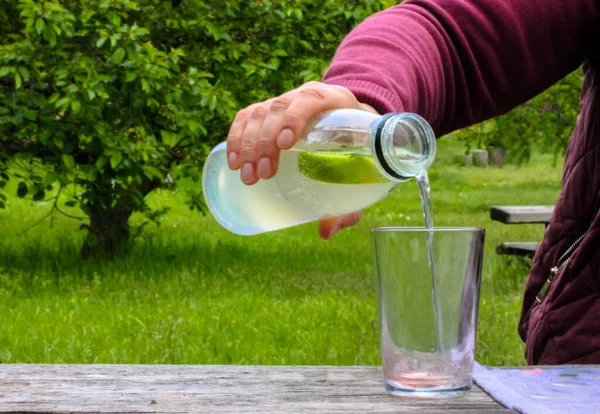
216	389
520	215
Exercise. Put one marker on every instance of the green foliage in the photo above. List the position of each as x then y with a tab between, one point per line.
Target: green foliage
112	96
544	123
183	298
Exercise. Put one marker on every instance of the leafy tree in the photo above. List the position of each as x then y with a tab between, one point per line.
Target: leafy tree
545	123
110	96
558	109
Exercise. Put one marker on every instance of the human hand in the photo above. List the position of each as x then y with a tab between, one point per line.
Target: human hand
260	131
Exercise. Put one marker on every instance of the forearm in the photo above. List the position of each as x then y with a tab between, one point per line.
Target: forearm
459	62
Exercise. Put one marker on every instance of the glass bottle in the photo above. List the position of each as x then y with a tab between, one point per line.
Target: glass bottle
344	161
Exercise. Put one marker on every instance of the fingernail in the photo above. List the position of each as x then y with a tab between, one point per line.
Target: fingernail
233	159
247	173
264	167
285	139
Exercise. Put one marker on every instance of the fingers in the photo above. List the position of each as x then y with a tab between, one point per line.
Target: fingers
267	150
248	169
310	100
288	116
260	131
234	138
329	227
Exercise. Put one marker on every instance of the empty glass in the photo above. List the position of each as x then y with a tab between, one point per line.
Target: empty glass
428	302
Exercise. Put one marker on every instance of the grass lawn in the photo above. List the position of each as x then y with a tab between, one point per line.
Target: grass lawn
192	293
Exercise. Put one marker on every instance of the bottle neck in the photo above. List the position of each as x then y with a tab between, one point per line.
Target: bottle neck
403	145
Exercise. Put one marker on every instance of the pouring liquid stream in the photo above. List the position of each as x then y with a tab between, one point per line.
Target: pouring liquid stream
425	190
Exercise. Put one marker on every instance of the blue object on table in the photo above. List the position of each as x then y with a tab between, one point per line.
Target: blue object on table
532	390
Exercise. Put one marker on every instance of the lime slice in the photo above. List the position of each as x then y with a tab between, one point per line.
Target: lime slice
339	167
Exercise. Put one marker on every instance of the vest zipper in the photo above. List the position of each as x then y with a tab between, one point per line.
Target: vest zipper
566	256
564	259
562	262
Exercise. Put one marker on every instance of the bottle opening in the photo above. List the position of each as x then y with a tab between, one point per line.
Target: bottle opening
404	145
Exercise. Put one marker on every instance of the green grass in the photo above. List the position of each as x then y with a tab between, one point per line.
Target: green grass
192	293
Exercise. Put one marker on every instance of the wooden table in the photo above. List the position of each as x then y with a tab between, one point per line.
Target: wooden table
214	389
520	215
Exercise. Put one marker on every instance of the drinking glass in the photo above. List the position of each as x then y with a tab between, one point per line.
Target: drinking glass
428	294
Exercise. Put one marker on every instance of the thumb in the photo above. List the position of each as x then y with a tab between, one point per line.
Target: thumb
330	226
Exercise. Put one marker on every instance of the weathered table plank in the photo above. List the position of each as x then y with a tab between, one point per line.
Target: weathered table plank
521	214
214	389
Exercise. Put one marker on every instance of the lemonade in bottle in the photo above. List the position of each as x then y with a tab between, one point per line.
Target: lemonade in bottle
344	161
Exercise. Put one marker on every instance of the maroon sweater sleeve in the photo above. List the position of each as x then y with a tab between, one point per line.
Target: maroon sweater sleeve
459	62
